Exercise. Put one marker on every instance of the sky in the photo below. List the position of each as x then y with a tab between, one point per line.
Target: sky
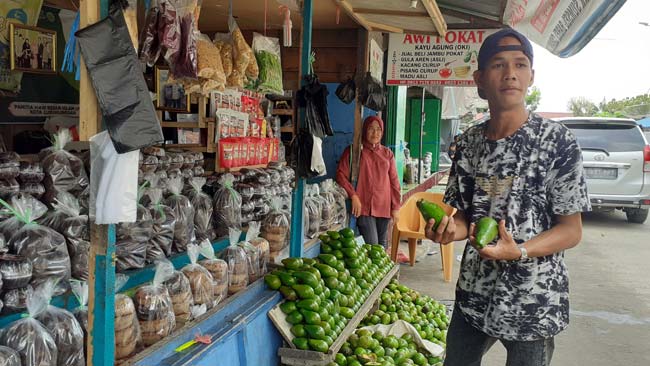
614	65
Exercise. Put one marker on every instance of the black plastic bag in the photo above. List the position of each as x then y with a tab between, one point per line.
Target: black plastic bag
313	97
347	91
301	151
372	93
118	81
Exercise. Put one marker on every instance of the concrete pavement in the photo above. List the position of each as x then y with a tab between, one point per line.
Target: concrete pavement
610	294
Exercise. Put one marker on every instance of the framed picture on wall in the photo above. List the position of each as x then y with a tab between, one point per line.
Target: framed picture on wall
170	96
32	49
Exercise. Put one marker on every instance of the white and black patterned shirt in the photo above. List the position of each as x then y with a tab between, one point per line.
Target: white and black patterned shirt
527	179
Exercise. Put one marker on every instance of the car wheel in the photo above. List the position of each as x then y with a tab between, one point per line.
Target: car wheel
636	215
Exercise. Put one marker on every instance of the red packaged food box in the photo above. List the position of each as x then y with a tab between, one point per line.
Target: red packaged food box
251	151
259	151
243	152
275	145
227	153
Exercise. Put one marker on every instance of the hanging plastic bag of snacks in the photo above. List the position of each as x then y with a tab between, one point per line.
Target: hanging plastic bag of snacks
267	53
209	61
128	336
200	279
227	207
243	57
63	171
80	292
203	210
237	261
180	292
218	268
44	247
276	227
29	337
184	212
252	252
164	222
64	329
76	232
223	42
154	307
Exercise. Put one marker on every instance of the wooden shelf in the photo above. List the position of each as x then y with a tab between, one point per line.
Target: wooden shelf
188	147
222	170
182	124
286	129
283	112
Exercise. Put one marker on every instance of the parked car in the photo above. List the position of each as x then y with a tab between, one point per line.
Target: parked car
616	159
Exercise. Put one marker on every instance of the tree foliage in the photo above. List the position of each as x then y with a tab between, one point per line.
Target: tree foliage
533	98
631	107
582	107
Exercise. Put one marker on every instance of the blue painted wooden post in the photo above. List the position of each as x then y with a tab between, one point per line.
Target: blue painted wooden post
297	227
102	308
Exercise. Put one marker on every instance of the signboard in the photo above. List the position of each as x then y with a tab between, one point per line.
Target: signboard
563	27
25	109
376	60
417	59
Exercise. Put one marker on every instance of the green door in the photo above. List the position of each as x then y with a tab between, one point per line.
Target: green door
395	126
431	132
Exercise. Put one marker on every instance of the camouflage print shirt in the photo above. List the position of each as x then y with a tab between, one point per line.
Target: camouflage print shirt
527	179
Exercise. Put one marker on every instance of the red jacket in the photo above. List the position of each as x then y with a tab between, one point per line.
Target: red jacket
378	186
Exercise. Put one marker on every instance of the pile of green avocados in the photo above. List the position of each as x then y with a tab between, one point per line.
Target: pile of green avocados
322	294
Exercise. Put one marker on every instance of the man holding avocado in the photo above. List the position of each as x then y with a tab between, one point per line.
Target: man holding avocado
525	172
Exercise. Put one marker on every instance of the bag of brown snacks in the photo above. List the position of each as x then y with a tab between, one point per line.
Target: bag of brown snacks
29	337
218	268
180	292
154	308
237	261
200	279
275	228
64	329
128	338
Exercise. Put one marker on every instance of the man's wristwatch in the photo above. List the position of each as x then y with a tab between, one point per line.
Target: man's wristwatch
524	253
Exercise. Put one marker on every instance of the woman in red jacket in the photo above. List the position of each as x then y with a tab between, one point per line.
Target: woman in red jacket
377	196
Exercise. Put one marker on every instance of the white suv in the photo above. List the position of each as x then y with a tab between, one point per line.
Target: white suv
616	159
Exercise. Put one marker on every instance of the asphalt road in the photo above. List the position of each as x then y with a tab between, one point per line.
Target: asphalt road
609	290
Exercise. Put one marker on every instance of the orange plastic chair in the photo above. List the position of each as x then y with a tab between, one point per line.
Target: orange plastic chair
411	225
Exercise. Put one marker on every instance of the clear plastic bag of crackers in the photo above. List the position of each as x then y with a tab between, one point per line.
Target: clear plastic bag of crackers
154	307
128	337
218	268
200	279
237	261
